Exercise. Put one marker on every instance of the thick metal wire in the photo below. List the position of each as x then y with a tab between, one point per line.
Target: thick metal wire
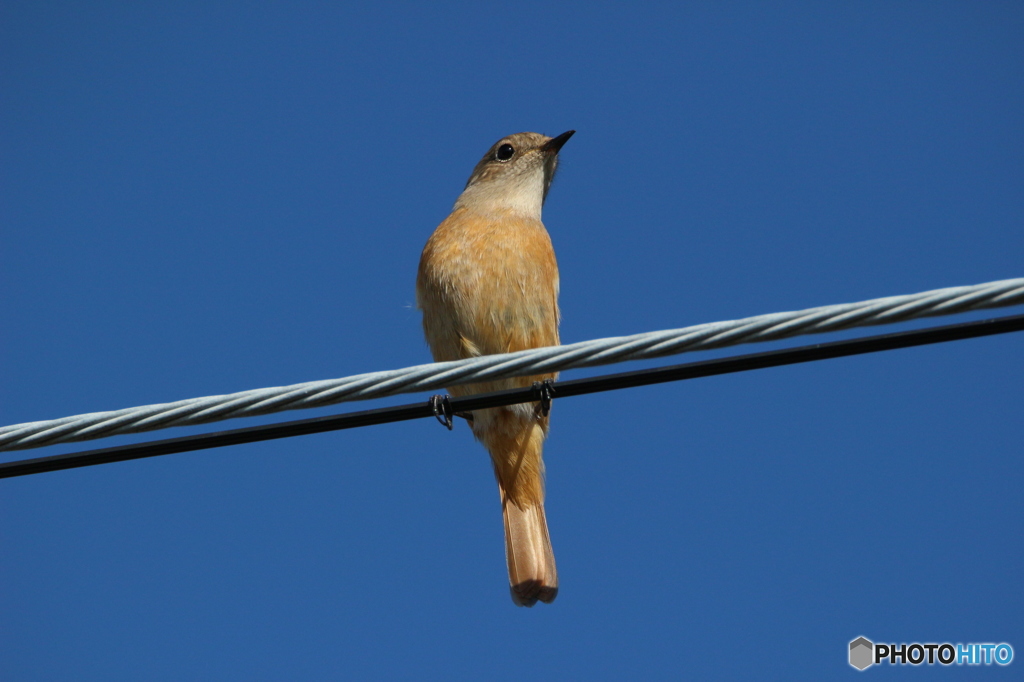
535	361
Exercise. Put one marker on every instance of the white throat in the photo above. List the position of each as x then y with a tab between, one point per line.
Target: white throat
519	194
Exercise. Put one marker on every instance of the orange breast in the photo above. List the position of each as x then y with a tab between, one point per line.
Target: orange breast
488	285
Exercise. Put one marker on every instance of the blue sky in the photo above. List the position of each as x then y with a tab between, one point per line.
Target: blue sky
201	199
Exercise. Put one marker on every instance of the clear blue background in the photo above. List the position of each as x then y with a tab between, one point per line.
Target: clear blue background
206	198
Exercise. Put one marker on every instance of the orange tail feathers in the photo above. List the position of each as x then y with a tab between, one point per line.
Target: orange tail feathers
531	562
515	439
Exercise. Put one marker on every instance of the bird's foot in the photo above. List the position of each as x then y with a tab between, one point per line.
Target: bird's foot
442	406
545	391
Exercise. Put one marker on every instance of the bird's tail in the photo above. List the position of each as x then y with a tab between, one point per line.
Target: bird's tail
531	562
515	441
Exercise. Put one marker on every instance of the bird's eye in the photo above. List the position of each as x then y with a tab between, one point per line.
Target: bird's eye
505	152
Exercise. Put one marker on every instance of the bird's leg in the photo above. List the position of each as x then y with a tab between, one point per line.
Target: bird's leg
545	392
442	406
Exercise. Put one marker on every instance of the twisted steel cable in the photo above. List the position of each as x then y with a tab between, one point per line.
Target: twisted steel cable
434	376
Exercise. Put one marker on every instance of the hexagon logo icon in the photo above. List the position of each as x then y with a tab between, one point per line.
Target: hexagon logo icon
862	653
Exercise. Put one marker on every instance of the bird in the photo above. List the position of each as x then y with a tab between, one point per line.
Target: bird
487	283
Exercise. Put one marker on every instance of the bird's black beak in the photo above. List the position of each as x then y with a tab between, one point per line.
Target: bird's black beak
555	143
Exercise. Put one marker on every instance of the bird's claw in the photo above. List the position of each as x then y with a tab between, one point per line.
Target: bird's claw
545	392
442	406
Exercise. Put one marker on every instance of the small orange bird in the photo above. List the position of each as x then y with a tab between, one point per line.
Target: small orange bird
487	284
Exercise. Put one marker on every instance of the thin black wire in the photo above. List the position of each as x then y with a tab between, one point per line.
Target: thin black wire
561	389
